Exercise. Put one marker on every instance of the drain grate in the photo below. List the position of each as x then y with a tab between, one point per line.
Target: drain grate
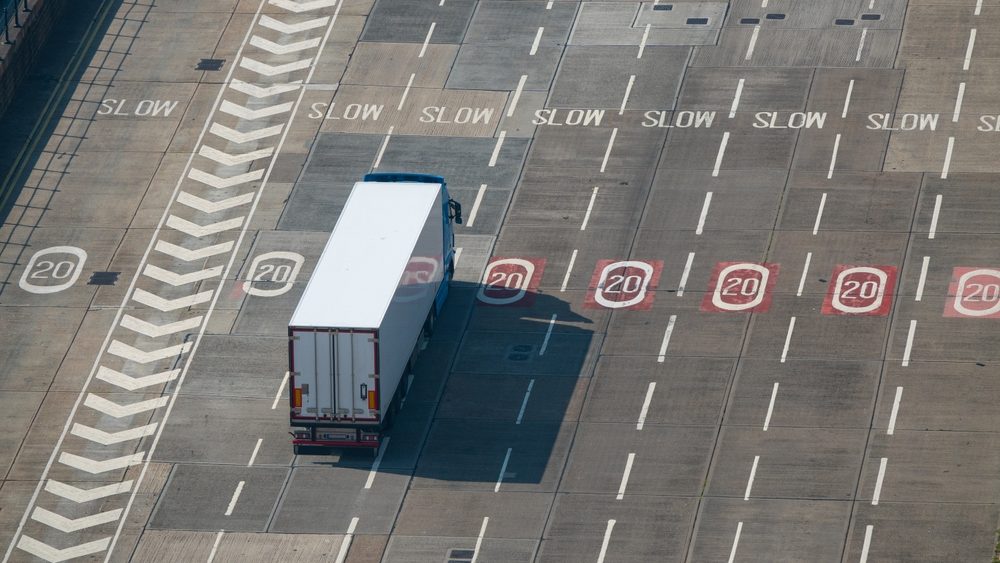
663	7
697	21
103	278
460	556
843	21
210	64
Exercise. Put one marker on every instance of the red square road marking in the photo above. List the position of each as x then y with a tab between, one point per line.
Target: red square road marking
860	290
974	292
624	284
511	282
743	287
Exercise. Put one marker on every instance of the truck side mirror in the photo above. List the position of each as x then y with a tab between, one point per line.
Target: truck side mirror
455	211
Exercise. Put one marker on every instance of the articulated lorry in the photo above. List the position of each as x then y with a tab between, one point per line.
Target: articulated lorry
371	301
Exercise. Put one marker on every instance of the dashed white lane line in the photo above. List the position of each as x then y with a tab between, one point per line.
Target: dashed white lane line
381	149
281	391
427	40
642	43
770	406
958	102
549	5
947	158
736	542
345	545
932	232
923	278
878	481
607	540
753	42
496	149
590	208
895	411
479	539
625	475
569	270
969	48
819	213
503	470
256	449
548	335
788	339
517	94
753	473
833	157
666	338
378	462
458	254
628	92
704	213
868	542
736	98
861	44
805	273
215	547
721	153
475	206
524	402
979	7
406	91
685	274
538	39
847	99
607	153
909	343
236	497
645	406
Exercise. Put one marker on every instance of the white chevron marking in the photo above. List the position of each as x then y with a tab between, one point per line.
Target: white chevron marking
175	279
162	304
279	49
234	136
94	467
195	230
282	27
69	525
53	555
111	408
273	70
130	383
108	438
255	91
78	495
122	350
299	7
190	255
220	182
207	206
227	159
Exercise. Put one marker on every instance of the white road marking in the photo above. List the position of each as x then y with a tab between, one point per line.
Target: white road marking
861	44
381	149
909	343
645	405
628	471
130	383
524	402
736	98
49	553
299	7
770	406
534	44
406	91
979	7
549	5
923	278
753	472
590	207
867	544
819	213
162	304
70	525
345	545
847	99
895	411
947	158
479	540
155	331
968	50
753	42
281	27
607	153
763	3
239	137
685	274
878	481
736	540
932	232
704	213
788	339
283	49
78	495
666	339
628	92
503	470
569	270
109	438
423	48
215	547
256	448
496	149
722	153
236	497
805	273
175	279
274	70
378	461
219	182
607	539
198	231
833	157
123	350
475	206
191	255
642	44
548	334
281	389
517	94
208	206
958	102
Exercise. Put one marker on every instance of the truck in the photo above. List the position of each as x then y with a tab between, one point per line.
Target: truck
369	306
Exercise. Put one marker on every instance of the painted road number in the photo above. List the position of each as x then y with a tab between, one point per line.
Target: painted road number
627	284
511	282
740	287
53	269
974	292
273	268
860	290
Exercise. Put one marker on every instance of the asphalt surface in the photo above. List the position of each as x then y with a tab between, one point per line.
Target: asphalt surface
727	291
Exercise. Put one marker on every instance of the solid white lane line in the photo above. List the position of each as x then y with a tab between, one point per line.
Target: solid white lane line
909	343
736	98
645	405
895	411
788	339
406	91
947	157
628	471
685	274
381	150
805	273
517	94
524	403
833	158
496	149
642	44
590	207
503	470
607	153
753	42
770	406
256	449
423	48
753	472
377	463
958	102
722	153
236	497
215	547
475	206
534	44
923	278
968	50
666	338
345	545
736	542
847	99
628	92
878	481
867	544
704	213
569	270
479	540
607	539
932	232
819	213
548	334
861	44
281	391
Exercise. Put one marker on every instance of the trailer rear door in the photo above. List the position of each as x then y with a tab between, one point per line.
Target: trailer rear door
335	372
